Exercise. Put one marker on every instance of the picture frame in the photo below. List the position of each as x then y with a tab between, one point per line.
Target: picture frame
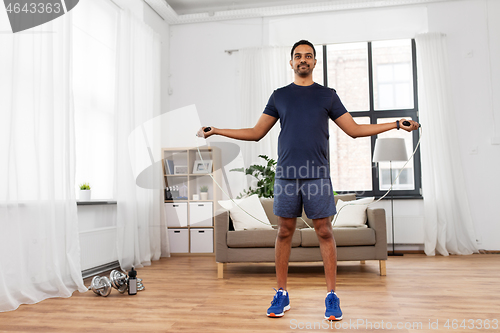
200	166
180	170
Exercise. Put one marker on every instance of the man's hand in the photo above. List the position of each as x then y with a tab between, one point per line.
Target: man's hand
413	125
202	134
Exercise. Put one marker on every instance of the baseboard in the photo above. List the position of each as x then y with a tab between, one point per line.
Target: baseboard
100	269
408	251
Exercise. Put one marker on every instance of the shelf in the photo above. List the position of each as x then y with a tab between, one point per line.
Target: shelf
188	159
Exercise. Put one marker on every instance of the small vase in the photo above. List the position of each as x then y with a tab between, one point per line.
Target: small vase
84	195
204	195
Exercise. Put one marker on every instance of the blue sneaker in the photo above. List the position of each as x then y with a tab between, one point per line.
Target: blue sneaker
280	304
332	303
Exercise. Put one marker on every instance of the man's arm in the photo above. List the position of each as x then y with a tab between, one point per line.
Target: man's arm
264	125
354	130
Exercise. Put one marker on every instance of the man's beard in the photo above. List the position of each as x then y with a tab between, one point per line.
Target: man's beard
305	72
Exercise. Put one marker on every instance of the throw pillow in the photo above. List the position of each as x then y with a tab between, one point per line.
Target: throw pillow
240	216
351	213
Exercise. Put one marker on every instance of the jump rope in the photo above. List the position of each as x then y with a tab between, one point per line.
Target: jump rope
406	123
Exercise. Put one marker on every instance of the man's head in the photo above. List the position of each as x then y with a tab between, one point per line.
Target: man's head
303	58
303	42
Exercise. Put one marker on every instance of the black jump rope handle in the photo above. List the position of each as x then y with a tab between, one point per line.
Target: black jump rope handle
407	123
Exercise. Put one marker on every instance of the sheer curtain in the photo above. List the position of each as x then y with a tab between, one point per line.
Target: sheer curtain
137	101
262	70
39	244
448	222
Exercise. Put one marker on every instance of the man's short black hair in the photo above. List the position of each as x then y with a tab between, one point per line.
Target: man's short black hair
303	42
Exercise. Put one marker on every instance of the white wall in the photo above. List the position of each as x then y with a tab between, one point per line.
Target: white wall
203	74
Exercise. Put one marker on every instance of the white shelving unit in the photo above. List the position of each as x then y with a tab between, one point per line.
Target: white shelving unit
190	221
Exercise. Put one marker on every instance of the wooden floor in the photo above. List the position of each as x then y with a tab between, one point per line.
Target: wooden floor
183	294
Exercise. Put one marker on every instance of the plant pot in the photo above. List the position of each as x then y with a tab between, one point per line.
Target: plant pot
84	195
204	195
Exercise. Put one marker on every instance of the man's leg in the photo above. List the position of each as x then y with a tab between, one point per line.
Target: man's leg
324	231
283	247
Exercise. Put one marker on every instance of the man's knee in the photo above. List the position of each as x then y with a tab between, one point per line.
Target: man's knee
323	230
286	227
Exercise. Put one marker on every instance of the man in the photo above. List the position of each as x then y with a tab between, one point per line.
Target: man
302	173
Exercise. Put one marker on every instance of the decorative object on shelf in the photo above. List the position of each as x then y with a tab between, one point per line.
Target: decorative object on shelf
181	170
183	192
196	197
84	192
204	192
389	150
169	167
168	194
204	166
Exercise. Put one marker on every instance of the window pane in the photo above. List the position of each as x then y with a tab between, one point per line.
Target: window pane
392	75
406	179
94	84
318	70
350	160
348	74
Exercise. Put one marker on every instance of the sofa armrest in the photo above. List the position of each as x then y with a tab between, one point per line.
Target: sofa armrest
221	226
376	221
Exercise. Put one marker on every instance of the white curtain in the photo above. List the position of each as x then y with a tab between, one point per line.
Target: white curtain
448	222
137	101
262	70
39	244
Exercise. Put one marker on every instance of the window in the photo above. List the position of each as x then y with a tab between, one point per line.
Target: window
95	28
377	83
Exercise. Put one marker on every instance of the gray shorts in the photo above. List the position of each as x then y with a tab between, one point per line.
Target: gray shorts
315	194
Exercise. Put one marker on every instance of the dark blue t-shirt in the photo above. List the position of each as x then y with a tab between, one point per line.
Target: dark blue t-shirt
303	112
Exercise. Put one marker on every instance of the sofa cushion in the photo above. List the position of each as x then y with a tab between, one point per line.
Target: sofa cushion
247	213
267	204
343	237
257	238
352	213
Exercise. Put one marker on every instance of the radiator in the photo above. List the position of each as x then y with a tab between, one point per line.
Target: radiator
98	247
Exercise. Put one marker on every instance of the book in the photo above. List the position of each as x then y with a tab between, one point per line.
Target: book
169	167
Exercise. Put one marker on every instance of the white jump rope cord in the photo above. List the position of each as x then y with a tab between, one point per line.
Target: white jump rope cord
336	215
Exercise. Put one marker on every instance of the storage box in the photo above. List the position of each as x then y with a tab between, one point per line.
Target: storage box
176	214
178	240
202	240
201	214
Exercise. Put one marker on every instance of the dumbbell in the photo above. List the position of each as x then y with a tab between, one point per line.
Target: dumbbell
101	286
140	286
118	280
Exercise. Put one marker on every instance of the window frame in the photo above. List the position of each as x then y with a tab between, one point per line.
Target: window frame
374	115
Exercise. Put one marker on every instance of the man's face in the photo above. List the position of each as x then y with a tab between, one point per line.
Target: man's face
303	61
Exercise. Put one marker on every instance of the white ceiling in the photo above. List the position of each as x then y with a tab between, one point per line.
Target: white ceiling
183	7
192	11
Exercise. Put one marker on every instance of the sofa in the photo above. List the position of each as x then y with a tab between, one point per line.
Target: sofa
353	243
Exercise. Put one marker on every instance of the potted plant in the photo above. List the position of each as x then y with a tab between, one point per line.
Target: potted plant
204	192
264	174
84	192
